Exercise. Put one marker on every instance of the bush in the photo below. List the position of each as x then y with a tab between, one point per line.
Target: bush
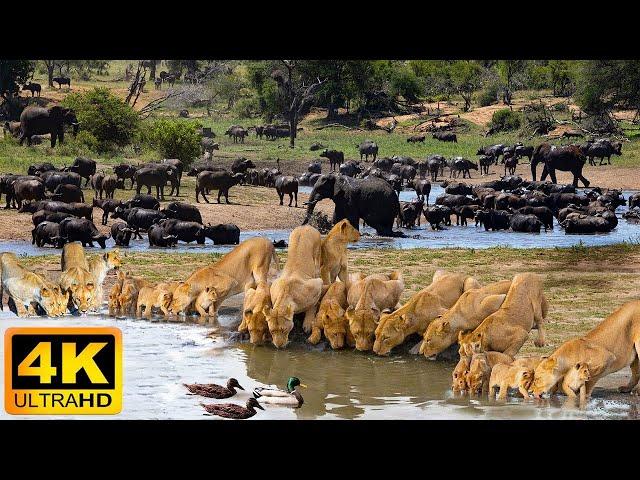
505	120
247	107
489	95
110	121
173	139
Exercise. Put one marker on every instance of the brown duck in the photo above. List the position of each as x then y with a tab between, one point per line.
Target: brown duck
231	410
211	390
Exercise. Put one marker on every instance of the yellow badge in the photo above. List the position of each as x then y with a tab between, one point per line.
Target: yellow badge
63	371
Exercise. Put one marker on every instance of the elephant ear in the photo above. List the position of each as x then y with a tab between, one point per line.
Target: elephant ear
56	111
339	186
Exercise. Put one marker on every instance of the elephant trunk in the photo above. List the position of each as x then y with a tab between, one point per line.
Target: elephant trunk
311	204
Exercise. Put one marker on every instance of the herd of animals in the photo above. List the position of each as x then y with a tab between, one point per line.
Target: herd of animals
488	324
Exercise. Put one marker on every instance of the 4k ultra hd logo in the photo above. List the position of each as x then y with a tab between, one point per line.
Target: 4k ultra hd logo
63	371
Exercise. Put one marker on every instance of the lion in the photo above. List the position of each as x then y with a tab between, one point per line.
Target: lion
505	376
459	375
158	296
299	287
99	266
611	346
242	268
114	294
426	305
367	298
128	297
467	313
28	290
253	320
333	262
73	256
205	303
575	380
525	307
76	279
331	319
479	371
80	284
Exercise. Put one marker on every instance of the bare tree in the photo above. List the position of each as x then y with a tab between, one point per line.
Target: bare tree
137	85
296	92
51	65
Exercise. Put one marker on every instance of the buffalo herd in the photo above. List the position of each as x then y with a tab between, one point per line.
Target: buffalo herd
56	200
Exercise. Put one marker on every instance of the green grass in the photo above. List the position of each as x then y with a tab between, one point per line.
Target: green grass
14	158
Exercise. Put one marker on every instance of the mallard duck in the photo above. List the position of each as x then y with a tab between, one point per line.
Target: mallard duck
231	410
211	390
277	396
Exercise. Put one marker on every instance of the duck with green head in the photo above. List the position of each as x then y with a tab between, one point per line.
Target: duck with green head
276	396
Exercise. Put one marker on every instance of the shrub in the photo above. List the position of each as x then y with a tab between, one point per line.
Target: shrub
247	107
110	121
489	95
505	119
173	139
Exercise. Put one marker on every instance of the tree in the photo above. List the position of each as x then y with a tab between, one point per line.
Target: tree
14	73
512	73
466	78
110	120
609	84
50	66
297	93
563	77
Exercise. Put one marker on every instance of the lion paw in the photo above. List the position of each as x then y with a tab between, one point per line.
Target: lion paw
539	343
314	338
624	389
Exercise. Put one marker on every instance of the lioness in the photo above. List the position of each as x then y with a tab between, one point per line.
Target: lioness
524	308
80	285
299	287
241	268
611	346
479	371
467	313
334	252
26	289
253	320
367	298
73	256
415	316
331	319
505	376
76	279
114	294
99	266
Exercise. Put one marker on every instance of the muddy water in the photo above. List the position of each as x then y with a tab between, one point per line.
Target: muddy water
419	237
159	356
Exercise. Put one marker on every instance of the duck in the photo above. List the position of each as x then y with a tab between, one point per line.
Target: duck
211	390
231	410
276	396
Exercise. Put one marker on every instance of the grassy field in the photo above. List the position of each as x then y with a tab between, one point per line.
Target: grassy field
14	158
583	285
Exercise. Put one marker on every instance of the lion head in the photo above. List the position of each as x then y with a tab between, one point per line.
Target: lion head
181	298
546	376
207	298
332	317
362	324
82	296
390	332
280	322
113	259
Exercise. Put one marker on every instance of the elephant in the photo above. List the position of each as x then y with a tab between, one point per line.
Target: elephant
568	158
371	199
40	121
